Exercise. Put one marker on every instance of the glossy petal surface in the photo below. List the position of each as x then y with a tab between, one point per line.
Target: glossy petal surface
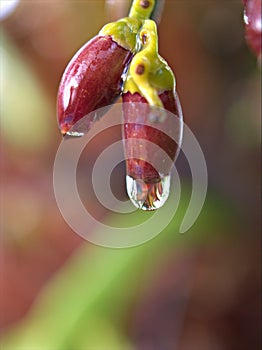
91	80
252	17
150	151
134	131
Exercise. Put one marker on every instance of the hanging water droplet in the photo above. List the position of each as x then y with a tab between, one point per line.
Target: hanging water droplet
74	133
148	196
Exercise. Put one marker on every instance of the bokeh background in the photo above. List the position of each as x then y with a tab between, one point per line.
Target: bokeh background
196	291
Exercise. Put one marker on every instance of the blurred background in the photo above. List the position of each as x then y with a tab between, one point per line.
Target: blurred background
199	290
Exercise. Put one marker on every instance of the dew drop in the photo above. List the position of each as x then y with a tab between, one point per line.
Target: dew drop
148	196
74	133
157	115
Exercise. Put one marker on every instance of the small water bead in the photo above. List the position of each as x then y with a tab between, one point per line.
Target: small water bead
148	196
83	125
74	134
157	115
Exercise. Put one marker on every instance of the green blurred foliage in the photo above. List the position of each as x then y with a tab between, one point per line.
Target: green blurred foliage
86	303
24	105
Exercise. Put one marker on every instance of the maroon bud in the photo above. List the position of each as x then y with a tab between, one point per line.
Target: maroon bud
91	80
149	163
253	27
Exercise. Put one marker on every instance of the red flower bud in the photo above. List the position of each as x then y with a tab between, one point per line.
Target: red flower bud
91	80
253	26
148	168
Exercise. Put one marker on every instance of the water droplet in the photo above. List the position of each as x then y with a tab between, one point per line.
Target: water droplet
148	196
74	133
158	116
83	125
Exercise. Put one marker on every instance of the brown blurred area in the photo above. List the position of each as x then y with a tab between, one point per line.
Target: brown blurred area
219	85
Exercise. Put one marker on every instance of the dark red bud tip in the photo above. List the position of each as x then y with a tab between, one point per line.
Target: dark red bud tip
253	25
91	80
